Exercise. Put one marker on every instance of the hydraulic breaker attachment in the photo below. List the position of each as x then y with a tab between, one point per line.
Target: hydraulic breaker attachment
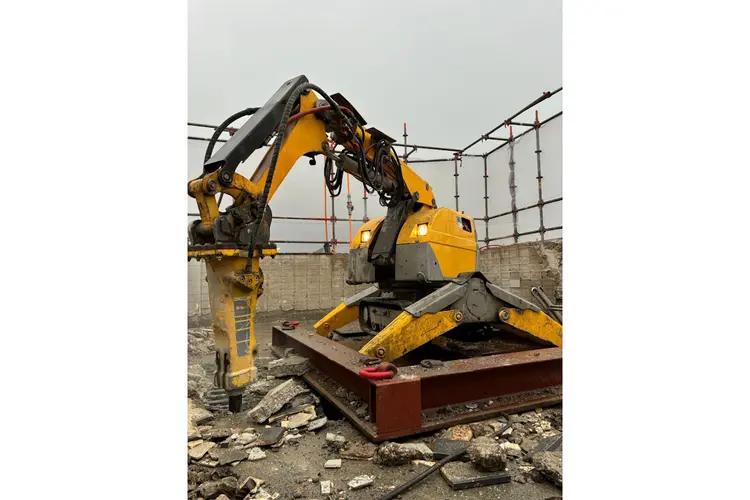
233	291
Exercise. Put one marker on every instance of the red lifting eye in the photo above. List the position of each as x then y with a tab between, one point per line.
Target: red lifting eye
382	371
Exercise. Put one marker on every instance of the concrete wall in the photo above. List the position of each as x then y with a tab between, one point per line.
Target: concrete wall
302	282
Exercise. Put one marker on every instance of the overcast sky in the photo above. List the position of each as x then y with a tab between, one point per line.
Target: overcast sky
451	70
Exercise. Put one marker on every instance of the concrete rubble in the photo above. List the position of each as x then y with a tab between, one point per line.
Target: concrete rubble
316	424
487	454
400	454
197	452
359	451
212	489
326	487
360	482
287	367
246	438
256	454
335	441
275	399
459	433
269	436
281	415
549	464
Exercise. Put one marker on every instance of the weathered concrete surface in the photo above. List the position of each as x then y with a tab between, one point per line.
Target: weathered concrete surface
400	454
296	466
549	463
287	367
318	282
487	454
275	399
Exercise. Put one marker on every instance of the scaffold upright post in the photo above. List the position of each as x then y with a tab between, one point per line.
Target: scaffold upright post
538	152
512	184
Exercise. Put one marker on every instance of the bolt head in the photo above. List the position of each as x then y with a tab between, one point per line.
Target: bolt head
380	352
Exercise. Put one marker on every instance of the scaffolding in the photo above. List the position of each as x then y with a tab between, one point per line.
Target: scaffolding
508	143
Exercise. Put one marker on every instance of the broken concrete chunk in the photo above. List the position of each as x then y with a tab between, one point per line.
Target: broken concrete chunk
291	366
246	438
335	441
200	416
298	420
192	388
523	473
359	451
459	433
360	482
487	454
249	485
256	454
261	387
292	438
275	399
326	487
229	455
212	489
334	463
528	444
262	361
541	427
303	400
479	429
291	411
530	417
197	452
193	444
400	454
461	475
512	449
269	436
217	434
549	464
316	424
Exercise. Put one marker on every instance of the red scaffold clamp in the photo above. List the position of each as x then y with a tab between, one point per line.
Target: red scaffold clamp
382	371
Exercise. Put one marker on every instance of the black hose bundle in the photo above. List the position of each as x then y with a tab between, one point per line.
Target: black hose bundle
219	130
334	178
290	104
381	160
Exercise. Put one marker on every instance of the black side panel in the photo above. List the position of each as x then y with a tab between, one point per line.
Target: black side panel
254	132
384	246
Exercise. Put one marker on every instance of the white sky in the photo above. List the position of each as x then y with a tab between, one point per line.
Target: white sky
472	64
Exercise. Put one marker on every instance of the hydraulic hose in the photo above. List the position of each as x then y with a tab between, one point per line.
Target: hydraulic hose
219	130
290	104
